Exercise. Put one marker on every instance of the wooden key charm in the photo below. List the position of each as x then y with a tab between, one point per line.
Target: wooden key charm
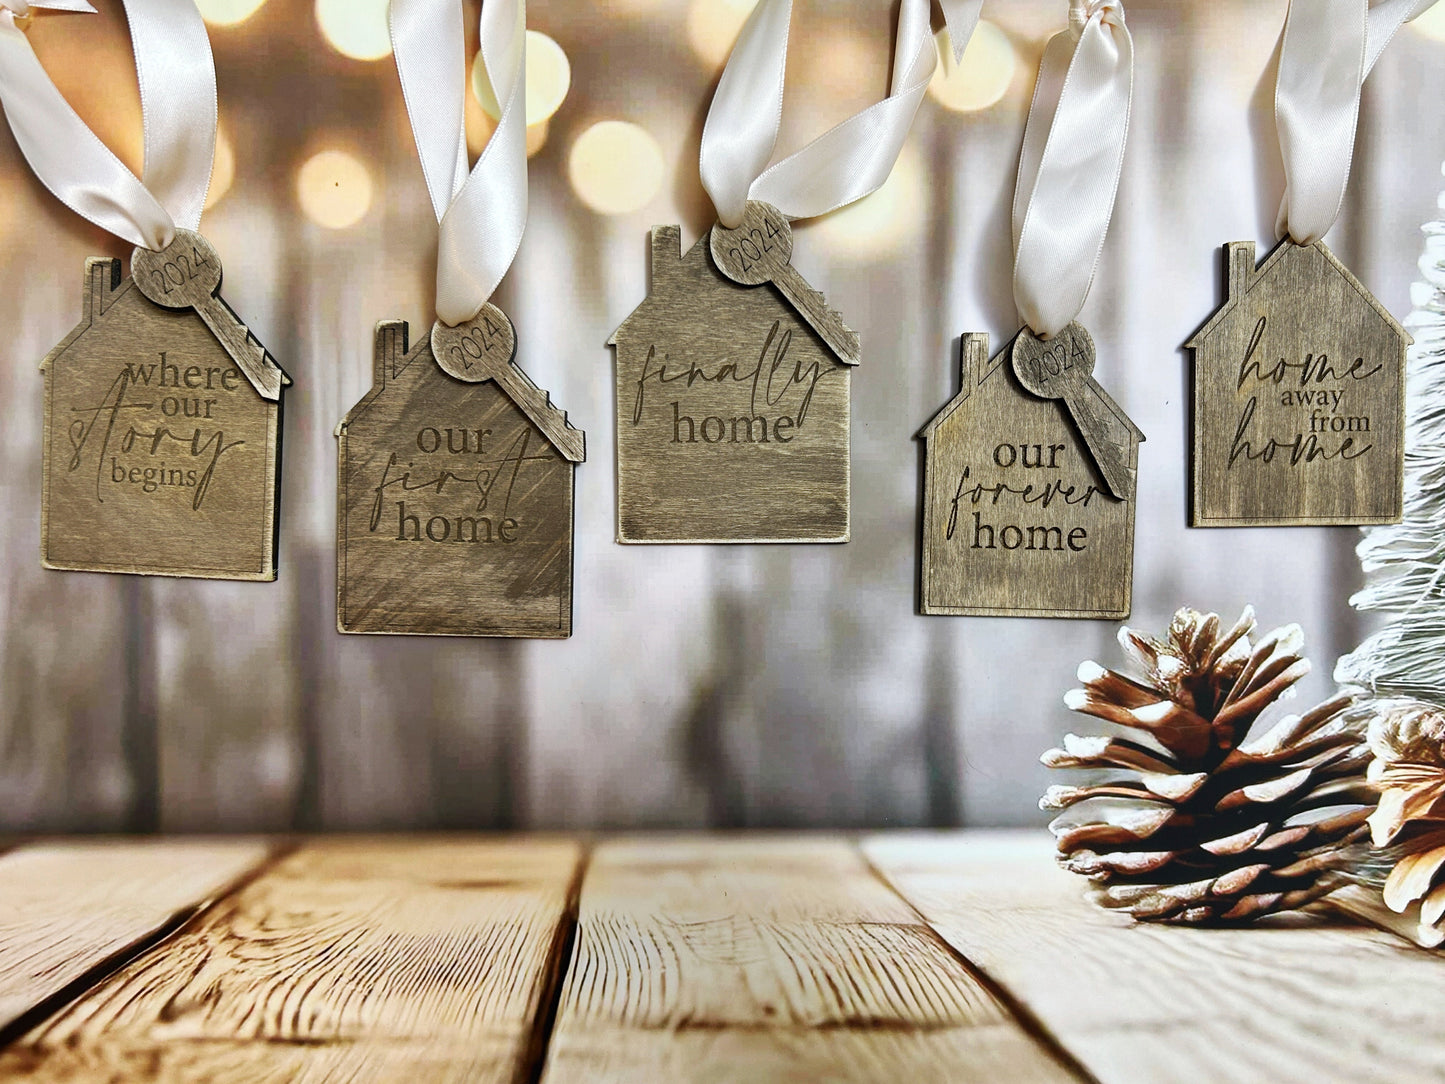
758	251
479	349
1062	368
186	274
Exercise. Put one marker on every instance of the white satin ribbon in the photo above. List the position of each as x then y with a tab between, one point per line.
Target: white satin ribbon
1073	153
844	164
482	212
178	108
1326	53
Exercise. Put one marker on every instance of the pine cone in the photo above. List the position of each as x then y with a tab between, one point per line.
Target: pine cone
1193	822
1408	740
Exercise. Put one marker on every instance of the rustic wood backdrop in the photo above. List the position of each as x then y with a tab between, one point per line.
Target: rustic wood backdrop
703	685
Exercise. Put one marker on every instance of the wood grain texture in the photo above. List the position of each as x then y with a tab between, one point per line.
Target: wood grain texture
1018	520
775	959
454	504
733	416
68	907
160	458
1296	1000
1299	396
420	959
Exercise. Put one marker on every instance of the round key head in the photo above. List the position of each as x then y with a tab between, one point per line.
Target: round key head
1054	368
757	249
184	275
476	350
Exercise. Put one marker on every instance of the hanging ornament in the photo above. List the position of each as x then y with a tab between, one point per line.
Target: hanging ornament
455	470
1299	376
162	412
1028	505
734	376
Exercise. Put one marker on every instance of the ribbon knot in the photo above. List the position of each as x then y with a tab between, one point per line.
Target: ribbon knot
1082	12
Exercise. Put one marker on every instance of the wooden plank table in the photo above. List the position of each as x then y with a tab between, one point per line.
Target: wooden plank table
711	959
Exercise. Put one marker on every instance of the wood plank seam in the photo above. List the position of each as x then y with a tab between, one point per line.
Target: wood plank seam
564	945
93	976
1023	1016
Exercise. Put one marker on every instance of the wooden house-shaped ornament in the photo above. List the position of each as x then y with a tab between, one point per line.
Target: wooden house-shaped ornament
1299	396
1017	519
162	440
455	500
732	412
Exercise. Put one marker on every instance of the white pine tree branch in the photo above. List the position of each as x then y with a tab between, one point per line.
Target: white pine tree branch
1404	563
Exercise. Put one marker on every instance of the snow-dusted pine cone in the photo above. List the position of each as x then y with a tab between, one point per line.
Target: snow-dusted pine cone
1190	819
1408	740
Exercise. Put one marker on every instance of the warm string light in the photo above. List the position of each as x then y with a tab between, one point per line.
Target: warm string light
334	189
355	28
983	77
228	12
884	222
549	76
616	167
713	26
1432	22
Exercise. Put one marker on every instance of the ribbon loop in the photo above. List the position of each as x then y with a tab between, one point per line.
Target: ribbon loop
1327	50
178	107
21	9
844	164
482	211
1070	164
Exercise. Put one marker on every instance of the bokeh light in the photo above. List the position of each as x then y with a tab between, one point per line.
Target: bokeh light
223	172
334	189
885	222
1431	22
355	28
983	78
228	12
480	128
616	167
549	75
713	25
